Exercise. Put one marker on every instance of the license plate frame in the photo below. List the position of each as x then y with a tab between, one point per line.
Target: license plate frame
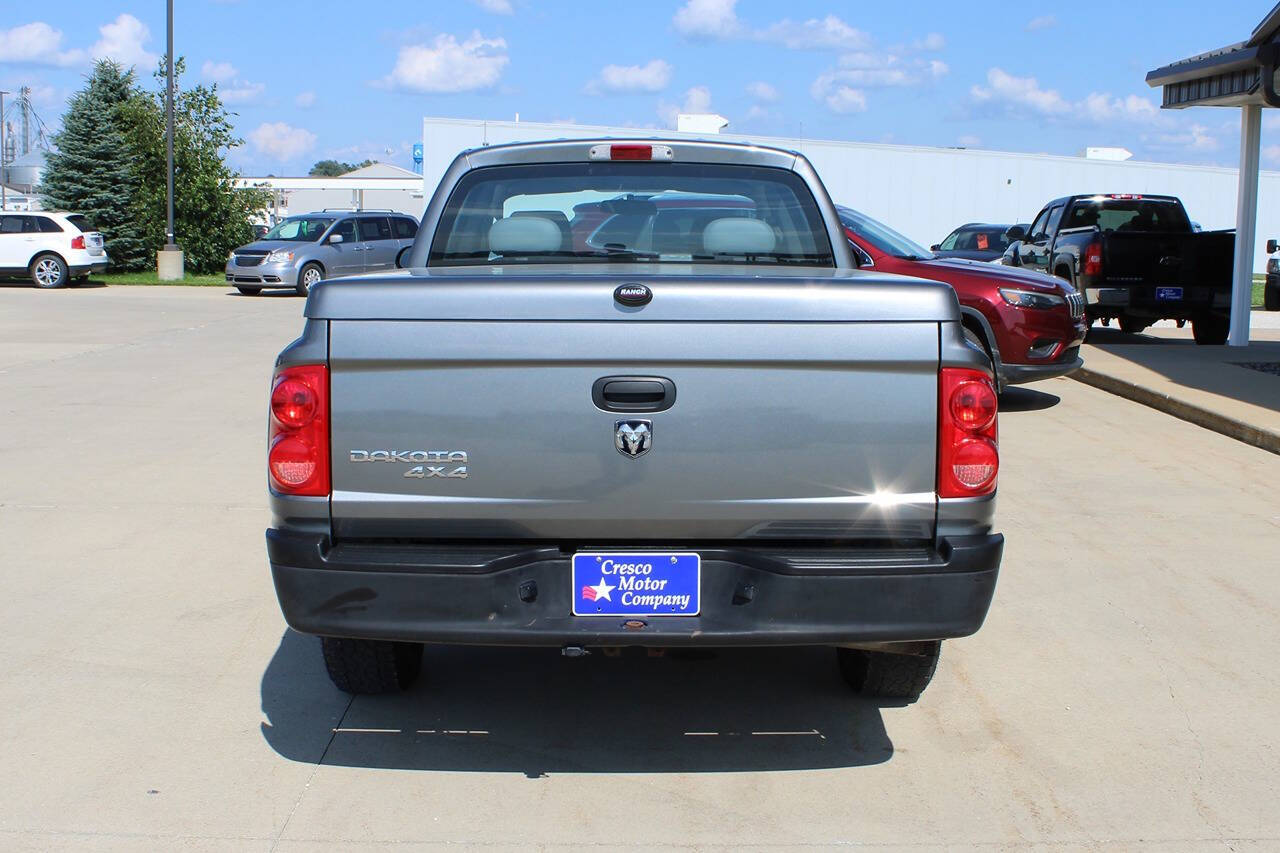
611	575
1169	294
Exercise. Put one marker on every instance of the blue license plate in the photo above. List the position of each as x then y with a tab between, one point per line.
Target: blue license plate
1168	294
636	584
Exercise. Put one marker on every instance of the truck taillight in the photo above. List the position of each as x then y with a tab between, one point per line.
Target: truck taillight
630	151
298	454
1093	258
77	242
968	451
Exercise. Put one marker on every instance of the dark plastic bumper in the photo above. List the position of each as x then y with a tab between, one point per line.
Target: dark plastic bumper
1020	374
519	595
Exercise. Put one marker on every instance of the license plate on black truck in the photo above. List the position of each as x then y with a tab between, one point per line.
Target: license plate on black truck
1168	294
636	584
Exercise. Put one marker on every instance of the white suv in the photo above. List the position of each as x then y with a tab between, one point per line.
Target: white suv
50	248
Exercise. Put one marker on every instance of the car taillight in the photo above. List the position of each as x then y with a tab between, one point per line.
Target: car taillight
1093	259
298	455
77	242
968	451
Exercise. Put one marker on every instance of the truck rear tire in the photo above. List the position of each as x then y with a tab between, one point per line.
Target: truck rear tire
1132	325
371	666
1271	298
1210	329
885	675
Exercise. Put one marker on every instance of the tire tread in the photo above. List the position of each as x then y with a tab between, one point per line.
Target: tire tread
370	666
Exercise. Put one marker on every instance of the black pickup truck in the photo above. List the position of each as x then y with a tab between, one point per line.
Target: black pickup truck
1136	258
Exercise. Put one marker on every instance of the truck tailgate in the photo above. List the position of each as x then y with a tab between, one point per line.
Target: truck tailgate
819	423
1150	260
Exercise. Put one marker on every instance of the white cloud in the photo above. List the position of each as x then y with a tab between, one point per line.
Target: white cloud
708	19
447	65
1043	22
830	33
653	76
36	43
762	91
306	100
933	41
718	19
844	99
842	88
240	92
122	40
497	7
219	72
282	141
1008	94
969	141
1197	137
1271	153
696	100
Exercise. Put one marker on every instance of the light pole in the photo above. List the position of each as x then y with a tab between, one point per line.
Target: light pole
4	197
169	259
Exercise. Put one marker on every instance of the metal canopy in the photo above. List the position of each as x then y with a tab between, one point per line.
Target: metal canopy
1240	75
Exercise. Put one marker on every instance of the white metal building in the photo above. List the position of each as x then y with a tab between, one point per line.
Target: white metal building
924	192
380	186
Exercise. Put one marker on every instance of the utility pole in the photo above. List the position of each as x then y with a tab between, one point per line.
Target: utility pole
4	198
169	259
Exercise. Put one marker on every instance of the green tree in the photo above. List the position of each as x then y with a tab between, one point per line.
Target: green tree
334	168
211	216
91	172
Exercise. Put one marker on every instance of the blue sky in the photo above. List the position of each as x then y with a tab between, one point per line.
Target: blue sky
320	79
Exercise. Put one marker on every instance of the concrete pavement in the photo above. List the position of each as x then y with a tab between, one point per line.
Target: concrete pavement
1121	696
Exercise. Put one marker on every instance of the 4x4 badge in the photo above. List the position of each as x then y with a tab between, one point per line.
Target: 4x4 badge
633	438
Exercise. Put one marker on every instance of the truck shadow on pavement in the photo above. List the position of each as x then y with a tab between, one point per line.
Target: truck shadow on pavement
534	712
1026	400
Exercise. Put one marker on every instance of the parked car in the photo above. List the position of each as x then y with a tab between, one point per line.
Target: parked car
975	241
733	440
1136	259
667	217
1271	289
303	250
50	247
1030	325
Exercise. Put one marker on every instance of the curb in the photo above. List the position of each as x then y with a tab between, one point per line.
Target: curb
1230	427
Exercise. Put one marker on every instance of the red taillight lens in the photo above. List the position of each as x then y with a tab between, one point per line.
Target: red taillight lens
630	152
968	450
293	403
298	458
77	242
973	405
1093	259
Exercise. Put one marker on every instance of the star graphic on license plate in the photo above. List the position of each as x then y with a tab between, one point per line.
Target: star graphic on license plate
599	592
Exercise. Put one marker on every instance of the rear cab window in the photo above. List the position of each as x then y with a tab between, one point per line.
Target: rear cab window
1129	213
686	213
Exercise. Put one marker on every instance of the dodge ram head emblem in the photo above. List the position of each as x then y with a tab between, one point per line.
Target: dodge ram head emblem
633	438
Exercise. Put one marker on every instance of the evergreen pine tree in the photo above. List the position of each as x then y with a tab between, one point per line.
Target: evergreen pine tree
91	170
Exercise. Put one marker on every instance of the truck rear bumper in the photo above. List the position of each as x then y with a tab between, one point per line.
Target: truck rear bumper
519	595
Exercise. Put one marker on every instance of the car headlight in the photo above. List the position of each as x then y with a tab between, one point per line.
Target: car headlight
280	256
1273	265
1031	299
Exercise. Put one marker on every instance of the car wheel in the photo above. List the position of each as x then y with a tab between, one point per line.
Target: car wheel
1271	298
49	271
974	338
1132	325
371	666
1210	329
309	276
249	291
400	258
887	675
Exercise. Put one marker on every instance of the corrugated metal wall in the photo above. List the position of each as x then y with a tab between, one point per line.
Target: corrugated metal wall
926	192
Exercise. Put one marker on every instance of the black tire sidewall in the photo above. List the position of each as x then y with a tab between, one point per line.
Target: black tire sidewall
302	286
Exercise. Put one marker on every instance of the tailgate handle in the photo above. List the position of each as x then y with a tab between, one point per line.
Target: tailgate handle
633	393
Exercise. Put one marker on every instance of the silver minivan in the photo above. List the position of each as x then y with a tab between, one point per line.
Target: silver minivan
302	250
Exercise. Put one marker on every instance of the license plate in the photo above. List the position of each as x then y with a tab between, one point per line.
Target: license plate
636	584
1168	294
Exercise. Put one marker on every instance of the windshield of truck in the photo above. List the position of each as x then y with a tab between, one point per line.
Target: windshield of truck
881	236
1134	214
302	229
634	212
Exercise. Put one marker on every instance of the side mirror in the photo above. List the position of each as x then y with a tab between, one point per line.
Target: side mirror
335	238
1272	246
1015	232
936	247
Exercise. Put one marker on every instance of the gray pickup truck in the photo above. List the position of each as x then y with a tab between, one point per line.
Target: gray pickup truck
586	419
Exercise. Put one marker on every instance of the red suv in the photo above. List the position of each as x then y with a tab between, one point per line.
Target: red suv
1031	325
